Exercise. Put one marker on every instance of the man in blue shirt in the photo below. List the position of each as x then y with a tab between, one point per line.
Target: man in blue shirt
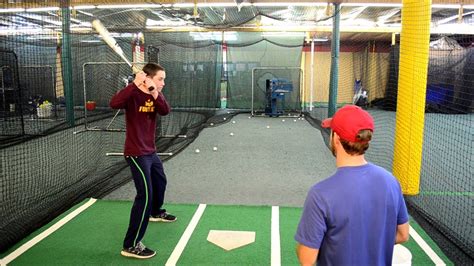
357	215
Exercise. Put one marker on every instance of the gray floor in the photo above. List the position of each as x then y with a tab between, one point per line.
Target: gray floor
256	166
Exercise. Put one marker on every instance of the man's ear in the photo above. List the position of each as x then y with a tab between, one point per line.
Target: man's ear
336	138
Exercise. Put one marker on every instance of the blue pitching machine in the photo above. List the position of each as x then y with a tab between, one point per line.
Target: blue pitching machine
275	92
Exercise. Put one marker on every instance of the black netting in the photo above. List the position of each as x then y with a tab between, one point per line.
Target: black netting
446	175
49	162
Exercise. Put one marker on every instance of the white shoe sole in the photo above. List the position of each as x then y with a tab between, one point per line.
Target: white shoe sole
131	255
162	220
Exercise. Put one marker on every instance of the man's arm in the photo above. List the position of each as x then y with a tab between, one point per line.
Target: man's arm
307	256
163	108
119	100
403	233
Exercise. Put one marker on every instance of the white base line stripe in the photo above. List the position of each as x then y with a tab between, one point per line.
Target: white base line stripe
23	248
275	238
183	241
426	248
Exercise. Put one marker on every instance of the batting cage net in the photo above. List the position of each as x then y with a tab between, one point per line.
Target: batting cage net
369	71
57	76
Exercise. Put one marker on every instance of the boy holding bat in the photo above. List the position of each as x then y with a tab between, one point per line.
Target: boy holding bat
355	216
142	100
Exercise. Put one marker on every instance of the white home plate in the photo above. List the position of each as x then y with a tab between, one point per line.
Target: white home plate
401	256
230	240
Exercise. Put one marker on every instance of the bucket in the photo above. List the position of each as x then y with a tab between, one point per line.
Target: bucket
401	256
44	111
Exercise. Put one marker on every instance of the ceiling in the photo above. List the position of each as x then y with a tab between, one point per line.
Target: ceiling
315	18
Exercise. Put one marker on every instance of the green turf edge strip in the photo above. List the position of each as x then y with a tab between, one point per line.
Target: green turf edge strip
430	242
95	238
35	240
183	241
40	230
426	248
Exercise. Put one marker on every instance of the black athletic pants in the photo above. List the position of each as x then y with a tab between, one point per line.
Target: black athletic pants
150	182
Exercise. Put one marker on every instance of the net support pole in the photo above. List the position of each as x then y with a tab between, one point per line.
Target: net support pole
311	83
334	79
66	61
412	77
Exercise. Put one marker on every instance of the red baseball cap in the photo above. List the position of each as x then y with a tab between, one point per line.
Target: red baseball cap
348	121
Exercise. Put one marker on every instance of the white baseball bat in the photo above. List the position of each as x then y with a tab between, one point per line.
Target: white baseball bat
107	37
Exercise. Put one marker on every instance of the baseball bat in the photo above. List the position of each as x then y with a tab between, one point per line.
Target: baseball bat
107	37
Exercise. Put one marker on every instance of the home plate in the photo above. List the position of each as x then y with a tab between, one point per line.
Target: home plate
401	256
230	240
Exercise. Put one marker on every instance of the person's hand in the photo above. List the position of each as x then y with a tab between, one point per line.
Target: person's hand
149	84
155	93
151	87
140	78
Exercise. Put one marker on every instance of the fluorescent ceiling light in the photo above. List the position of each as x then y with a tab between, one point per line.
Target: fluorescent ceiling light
214	35
454	28
12	31
91	41
83	7
80	28
133	6
290	4
283	34
11	10
152	22
42	18
40	9
452	18
445	6
373	4
227	4
120	35
184	5
316	39
220	4
42	37
85	13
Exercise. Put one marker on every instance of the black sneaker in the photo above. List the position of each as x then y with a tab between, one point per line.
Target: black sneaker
139	252
163	217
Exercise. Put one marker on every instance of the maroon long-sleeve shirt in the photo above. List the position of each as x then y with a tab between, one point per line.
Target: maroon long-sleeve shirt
140	115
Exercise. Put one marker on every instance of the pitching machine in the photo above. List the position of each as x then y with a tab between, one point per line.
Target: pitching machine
276	89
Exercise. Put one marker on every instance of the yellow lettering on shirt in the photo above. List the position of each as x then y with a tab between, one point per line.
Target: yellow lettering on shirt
148	108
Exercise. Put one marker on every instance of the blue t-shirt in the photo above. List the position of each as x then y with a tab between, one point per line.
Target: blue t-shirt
352	217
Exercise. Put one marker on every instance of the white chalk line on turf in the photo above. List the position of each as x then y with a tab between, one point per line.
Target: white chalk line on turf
275	237
426	248
183	241
23	248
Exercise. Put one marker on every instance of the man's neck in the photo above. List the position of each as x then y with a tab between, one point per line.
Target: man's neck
345	159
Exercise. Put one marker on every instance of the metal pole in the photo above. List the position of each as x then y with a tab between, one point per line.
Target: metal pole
311	76
67	62
333	83
253	70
